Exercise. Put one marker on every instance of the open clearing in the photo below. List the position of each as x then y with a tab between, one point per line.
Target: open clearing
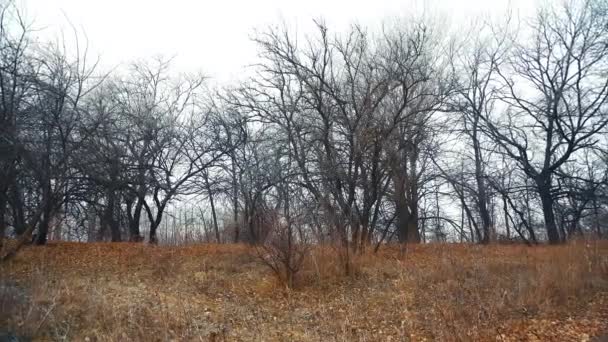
136	292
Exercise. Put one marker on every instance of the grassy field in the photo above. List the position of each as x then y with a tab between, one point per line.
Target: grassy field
136	292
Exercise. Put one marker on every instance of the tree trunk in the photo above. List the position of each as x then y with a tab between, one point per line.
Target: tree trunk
43	228
18	214
109	217
482	197
134	220
596	219
506	212
155	220
483	211
213	214
3	203
365	234
402	213
92	222
103	226
115	231
235	199
544	191
413	234
153	239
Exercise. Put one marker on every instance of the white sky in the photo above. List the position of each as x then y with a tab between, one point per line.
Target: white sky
214	36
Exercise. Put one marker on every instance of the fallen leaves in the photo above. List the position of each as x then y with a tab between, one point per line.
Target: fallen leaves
131	292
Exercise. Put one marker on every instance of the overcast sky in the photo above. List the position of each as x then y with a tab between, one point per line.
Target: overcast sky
214	36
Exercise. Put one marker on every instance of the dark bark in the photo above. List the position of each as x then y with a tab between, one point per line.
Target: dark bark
402	215
406	200
3	203
152	238
506	213
134	217
482	196
212	204
47	212
109	220
18	214
596	219
155	220
43	230
235	199
413	232
407	220
546	198
152	234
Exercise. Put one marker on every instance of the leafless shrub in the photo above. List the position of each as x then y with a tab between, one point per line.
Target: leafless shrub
282	251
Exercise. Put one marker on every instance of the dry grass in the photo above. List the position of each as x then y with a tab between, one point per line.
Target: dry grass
134	292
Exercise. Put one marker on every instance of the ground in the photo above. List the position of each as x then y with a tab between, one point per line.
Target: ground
137	292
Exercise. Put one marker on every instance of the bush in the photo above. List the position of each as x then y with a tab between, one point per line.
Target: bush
283	252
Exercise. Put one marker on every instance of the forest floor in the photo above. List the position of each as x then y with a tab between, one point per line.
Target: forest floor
443	292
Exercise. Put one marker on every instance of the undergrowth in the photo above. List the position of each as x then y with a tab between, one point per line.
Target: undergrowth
134	292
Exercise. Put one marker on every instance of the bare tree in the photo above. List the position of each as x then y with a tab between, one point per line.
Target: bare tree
41	92
419	85
475	97
555	93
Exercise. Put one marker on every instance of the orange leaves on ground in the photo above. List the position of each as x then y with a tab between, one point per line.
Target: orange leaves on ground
132	292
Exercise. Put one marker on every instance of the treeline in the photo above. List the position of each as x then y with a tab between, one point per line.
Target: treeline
357	138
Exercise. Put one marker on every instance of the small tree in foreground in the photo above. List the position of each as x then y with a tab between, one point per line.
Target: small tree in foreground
284	248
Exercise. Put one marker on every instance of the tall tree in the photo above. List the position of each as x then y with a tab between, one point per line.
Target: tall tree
555	91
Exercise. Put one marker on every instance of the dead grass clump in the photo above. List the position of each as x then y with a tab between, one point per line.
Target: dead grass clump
31	308
89	309
468	294
324	267
133	292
